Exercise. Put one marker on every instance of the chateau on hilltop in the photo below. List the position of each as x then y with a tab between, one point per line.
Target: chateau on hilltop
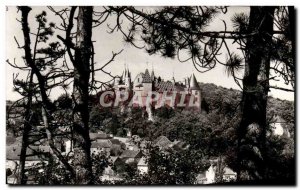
170	93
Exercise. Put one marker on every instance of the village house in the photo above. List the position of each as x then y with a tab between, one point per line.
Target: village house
142	166
130	156
115	142
132	146
124	140
95	138
109	174
229	174
278	128
35	155
179	145
101	146
162	142
209	175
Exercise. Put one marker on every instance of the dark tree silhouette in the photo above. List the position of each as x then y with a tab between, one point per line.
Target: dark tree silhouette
45	82
252	130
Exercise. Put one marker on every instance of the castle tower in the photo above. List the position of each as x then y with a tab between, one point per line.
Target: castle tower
117	81
124	75
152	74
194	86
127	79
194	90
147	83
173	79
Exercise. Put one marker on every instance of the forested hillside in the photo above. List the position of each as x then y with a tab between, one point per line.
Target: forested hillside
211	133
217	98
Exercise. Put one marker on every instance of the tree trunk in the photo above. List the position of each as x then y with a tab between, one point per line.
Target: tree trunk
81	91
26	130
55	151
46	104
24	20
252	130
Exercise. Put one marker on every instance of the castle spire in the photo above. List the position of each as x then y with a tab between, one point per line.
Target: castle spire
173	78
152	73
128	72
194	83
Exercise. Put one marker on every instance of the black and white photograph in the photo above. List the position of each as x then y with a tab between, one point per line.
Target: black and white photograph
150	95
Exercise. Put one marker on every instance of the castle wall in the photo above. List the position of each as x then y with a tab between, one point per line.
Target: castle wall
147	88
142	85
197	98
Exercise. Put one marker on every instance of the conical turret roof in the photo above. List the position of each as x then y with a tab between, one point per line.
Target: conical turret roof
194	83
152	75
147	78
129	74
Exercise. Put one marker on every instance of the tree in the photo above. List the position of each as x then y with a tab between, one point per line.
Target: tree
81	87
64	102
252	130
81	62
37	64
169	168
81	54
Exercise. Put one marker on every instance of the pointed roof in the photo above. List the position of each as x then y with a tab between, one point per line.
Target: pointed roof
33	153
122	76
278	119
193	83
146	77
129	154
188	81
95	136
152	74
126	73
101	144
228	171
115	141
162	141
112	83
129	74
113	158
201	176
122	139
142	162
173	80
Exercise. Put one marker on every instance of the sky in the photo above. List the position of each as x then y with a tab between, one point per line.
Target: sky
137	60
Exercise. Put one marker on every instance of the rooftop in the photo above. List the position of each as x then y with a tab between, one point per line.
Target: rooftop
162	142
33	153
101	144
129	154
142	162
95	136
